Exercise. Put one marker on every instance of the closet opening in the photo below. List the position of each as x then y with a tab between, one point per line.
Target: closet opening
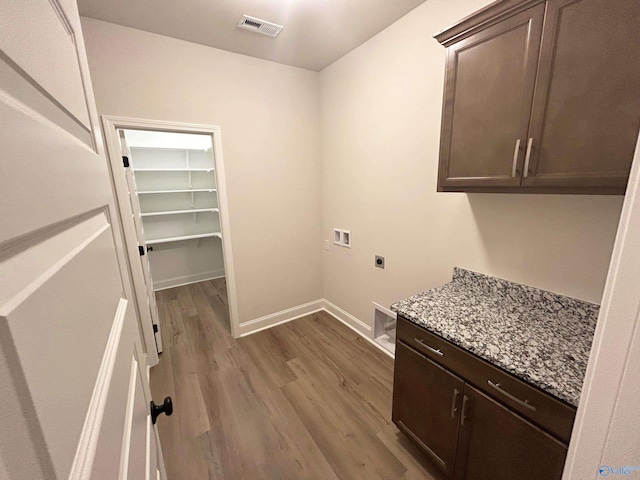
170	185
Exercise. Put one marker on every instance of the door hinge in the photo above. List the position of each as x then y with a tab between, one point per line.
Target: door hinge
125	161
141	250
155	328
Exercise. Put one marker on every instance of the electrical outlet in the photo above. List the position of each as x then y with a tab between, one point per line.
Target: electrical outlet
379	261
326	245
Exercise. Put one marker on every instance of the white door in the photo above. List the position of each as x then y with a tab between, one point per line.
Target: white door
606	433
145	293
73	378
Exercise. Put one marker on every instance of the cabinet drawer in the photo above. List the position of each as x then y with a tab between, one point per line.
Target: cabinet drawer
436	348
543	409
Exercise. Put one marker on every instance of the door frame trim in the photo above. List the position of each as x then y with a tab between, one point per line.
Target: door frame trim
606	421
110	125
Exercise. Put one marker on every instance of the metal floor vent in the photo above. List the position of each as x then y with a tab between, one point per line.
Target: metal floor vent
260	26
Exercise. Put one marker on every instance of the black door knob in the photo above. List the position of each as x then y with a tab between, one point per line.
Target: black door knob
166	408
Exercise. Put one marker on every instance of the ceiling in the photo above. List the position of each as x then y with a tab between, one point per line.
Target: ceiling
316	32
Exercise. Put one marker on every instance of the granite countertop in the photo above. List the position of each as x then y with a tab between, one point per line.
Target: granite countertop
541	337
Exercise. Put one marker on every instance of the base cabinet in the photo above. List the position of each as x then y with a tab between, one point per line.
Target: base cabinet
498	444
468	434
426	405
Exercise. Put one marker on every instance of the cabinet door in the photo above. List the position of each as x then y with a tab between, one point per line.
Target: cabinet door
586	110
426	405
496	443
489	85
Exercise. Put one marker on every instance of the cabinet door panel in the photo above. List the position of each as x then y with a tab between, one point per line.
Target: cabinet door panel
488	92
586	110
426	405
496	443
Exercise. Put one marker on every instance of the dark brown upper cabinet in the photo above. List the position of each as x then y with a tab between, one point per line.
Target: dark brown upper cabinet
541	97
489	86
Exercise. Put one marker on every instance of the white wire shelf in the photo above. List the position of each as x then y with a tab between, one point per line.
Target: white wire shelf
179	212
184	237
186	190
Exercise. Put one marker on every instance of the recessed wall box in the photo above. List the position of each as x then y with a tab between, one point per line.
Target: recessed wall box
346	238
337	236
384	327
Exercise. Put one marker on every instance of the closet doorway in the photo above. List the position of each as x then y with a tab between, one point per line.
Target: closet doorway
170	186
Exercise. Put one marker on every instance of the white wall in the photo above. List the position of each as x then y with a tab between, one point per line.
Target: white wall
268	114
380	122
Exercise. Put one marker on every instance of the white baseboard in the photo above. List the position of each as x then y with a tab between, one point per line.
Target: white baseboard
354	324
187	279
284	316
348	319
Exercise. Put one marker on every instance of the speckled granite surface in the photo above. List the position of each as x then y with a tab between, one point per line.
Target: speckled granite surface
538	336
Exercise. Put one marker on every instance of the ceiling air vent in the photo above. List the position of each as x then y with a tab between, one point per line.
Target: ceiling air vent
260	26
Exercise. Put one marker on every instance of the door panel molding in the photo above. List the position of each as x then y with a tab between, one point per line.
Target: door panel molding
24	88
83	461
14	246
126	435
56	31
57	366
20	149
24	452
23	274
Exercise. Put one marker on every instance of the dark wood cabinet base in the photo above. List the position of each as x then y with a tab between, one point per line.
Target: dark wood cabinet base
442	401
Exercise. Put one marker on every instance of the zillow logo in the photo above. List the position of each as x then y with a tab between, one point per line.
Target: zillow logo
606	470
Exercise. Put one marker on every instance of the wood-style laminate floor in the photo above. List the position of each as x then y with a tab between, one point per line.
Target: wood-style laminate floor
309	399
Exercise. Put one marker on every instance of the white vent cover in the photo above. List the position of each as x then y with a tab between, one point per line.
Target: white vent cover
260	26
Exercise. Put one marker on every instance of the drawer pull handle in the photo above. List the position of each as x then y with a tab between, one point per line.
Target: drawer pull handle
453	403
527	157
525	403
463	416
431	349
515	158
